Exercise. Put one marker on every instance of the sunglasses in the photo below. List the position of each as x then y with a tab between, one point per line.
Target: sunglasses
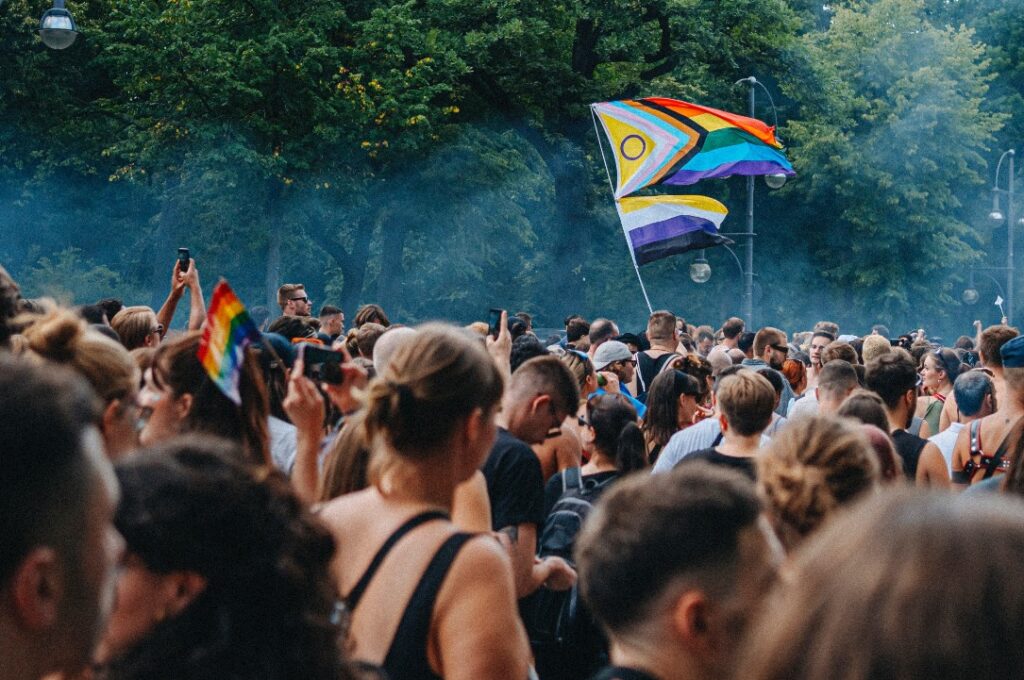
297	299
780	348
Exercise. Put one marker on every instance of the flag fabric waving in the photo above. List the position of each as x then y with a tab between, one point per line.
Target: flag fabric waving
659	226
666	141
229	330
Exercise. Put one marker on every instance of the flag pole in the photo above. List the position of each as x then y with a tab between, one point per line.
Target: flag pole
611	185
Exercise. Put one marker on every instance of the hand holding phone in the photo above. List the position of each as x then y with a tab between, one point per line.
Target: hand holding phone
494	321
321	365
183	259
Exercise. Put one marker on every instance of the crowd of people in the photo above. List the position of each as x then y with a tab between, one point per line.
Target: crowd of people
442	501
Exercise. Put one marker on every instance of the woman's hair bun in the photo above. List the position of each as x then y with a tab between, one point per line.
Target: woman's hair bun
55	336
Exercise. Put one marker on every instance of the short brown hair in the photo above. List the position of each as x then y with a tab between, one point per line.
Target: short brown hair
767	336
732	327
661	325
547	375
371	314
992	338
747	400
133	325
814	465
284	293
367	336
650	530
838	349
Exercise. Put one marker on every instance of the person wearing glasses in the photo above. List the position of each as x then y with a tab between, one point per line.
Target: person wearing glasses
770	350
293	300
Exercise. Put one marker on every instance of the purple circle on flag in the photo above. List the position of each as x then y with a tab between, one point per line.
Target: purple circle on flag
622	147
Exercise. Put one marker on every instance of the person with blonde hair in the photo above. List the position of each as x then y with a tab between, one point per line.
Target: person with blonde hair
910	585
745	403
61	337
816	465
425	600
137	326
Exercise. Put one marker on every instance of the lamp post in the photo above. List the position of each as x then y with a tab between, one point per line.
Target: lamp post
774	181
970	296
700	270
57	28
997	216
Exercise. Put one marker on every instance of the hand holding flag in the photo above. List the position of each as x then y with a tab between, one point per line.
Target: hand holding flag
228	331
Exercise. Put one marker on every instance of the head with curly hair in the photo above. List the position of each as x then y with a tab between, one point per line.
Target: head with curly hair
701	369
813	466
226	574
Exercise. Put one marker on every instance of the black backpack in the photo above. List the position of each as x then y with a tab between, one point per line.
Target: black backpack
568	514
567	643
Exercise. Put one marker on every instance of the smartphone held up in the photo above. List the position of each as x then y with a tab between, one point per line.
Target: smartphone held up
322	365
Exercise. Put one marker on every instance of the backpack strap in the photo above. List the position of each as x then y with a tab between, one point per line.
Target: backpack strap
357	592
572	478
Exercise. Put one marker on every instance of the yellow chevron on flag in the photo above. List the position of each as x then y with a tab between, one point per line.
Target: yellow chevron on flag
646	143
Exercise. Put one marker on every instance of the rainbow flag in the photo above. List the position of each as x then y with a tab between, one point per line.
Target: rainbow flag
659	226
667	141
229	330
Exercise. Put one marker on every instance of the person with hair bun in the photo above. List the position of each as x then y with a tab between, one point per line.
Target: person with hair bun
815	465
423	599
179	397
939	370
225	573
910	586
61	337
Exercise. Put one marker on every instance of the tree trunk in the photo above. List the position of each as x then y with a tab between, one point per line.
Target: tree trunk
273	273
395	228
354	264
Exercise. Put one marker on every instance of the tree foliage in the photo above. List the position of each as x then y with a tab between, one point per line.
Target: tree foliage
438	156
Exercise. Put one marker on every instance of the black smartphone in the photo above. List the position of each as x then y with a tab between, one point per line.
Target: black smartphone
494	321
321	365
183	259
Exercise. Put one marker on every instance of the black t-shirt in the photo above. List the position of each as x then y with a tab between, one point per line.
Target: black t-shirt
621	673
553	489
515	483
744	465
909	447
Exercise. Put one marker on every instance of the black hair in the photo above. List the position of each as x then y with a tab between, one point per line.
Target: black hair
616	432
266	609
524	348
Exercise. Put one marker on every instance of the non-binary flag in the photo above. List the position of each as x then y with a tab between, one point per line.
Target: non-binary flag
659	226
229	330
666	141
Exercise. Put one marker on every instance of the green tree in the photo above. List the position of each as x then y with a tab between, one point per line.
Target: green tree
891	132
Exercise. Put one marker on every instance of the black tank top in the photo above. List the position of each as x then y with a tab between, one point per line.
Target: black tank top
407	657
909	447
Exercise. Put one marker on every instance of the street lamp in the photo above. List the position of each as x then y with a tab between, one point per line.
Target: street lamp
700	270
774	181
997	216
57	28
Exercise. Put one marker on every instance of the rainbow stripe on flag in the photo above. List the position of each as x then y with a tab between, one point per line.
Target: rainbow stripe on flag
229	330
659	226
666	141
